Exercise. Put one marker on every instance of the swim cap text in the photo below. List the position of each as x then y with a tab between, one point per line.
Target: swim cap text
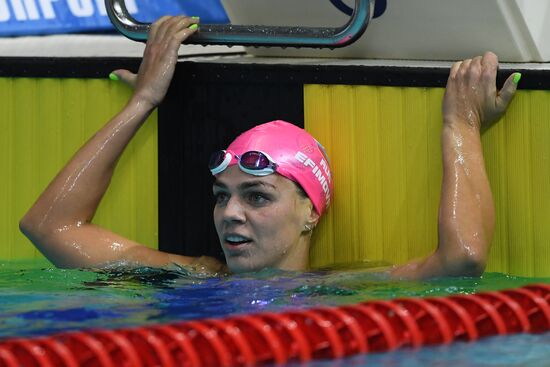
322	173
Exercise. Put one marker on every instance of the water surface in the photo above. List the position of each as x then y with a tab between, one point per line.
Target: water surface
38	299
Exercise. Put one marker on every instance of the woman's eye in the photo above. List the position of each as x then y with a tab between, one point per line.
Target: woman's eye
258	198
221	197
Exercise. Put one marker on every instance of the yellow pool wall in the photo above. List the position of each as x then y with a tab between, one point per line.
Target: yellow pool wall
384	144
43	123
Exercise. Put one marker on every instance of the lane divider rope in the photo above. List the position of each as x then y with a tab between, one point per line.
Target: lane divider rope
298	335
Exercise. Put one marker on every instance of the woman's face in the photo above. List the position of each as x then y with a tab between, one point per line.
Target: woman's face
260	221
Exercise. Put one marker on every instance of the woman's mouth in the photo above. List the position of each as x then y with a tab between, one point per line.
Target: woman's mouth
234	240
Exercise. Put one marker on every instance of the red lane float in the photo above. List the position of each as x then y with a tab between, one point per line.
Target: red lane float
300	335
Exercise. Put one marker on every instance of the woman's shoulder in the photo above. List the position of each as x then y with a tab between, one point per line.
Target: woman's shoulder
202	264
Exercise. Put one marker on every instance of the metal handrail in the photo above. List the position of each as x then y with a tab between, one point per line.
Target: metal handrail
254	35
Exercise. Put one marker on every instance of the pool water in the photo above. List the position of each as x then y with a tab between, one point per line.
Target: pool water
38	299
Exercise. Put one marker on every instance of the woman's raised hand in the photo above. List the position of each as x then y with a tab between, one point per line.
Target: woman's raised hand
471	96
159	59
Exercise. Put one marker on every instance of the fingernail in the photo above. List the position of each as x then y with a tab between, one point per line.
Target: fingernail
193	26
114	77
517	77
195	17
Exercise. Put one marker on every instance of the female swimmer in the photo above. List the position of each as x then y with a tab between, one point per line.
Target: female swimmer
272	184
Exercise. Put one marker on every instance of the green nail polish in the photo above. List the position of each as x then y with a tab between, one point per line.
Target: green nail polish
195	17
193	26
114	77
517	77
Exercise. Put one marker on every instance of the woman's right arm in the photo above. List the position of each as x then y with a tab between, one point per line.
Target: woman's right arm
59	222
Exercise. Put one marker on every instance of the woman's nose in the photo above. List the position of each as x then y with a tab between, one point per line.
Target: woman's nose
234	211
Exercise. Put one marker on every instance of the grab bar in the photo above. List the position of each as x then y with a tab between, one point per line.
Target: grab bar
254	35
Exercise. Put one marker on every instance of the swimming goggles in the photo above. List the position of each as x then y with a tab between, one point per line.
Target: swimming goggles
252	162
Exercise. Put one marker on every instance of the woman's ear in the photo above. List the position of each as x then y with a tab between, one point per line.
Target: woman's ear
312	218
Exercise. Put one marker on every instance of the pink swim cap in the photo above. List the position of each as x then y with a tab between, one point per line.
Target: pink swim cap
299	157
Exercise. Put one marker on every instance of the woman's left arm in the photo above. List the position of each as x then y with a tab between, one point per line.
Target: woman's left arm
466	211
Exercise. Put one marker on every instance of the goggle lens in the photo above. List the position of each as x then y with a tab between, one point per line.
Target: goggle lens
216	159
254	160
